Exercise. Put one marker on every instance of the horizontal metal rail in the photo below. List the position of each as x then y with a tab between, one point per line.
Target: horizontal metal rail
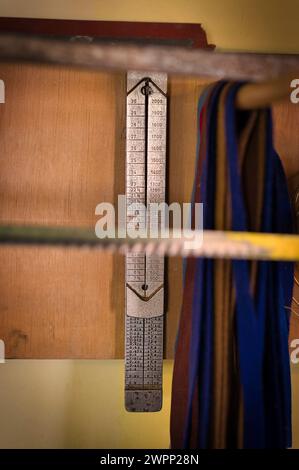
172	60
212	244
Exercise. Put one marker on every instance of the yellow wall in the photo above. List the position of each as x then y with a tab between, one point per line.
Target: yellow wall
79	403
75	404
261	25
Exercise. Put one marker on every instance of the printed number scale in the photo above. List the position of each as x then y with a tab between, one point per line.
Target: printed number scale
145	183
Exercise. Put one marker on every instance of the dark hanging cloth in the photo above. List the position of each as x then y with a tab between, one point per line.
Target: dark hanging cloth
231	383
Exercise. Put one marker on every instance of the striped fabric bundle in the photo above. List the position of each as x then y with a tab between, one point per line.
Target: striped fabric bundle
231	383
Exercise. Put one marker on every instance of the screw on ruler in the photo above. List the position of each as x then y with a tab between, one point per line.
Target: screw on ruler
145	183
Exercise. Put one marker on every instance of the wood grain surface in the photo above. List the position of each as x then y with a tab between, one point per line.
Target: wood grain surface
286	125
62	151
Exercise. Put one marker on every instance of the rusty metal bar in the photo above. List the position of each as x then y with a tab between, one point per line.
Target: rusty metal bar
173	60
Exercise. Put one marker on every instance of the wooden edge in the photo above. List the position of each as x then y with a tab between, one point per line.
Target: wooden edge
190	35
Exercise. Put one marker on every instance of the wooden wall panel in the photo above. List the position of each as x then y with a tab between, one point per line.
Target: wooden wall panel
62	151
286	125
286	136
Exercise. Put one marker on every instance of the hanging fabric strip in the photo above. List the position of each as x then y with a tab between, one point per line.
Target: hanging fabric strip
231	382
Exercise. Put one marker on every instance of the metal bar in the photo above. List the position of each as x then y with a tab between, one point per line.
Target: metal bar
261	95
212	244
173	60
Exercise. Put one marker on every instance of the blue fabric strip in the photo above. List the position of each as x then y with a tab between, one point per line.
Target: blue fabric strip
262	321
200	372
249	336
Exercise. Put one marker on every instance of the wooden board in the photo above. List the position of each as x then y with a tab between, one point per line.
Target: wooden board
62	151
286	125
